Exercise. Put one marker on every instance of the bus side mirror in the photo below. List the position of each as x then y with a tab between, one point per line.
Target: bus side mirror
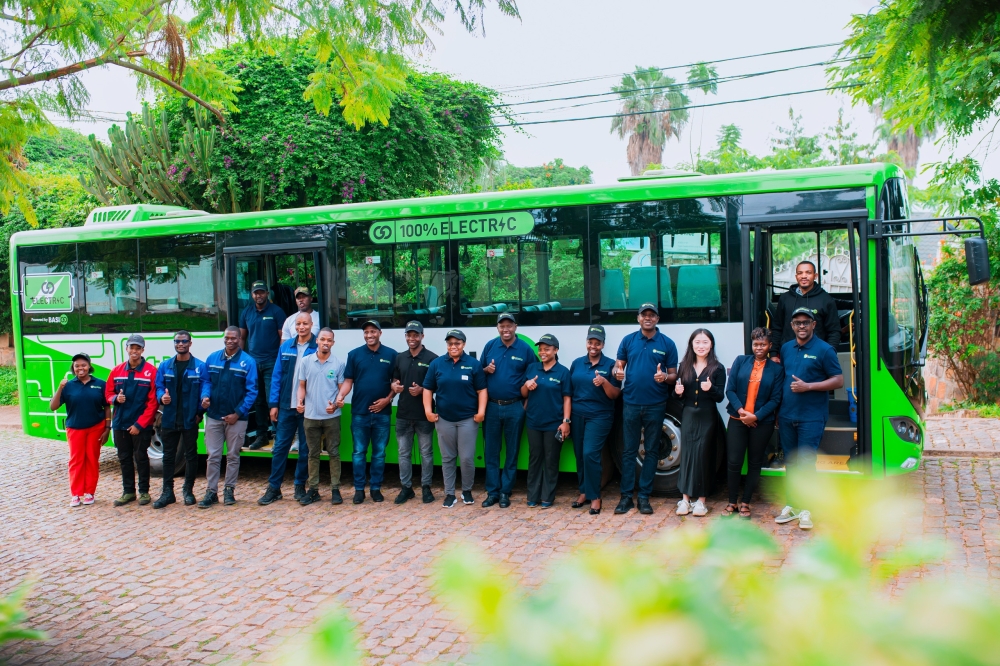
977	260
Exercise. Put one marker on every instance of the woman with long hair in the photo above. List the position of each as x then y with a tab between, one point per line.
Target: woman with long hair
701	384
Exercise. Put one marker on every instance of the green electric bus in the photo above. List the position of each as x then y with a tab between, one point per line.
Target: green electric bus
711	251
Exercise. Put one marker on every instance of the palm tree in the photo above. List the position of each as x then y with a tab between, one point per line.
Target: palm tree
652	112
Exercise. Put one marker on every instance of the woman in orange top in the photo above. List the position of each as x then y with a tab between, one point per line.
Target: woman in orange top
754	394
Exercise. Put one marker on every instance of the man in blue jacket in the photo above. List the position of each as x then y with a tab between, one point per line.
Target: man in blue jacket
260	330
181	385
232	390
283	401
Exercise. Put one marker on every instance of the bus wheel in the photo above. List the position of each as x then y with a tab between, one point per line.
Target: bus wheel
668	467
155	453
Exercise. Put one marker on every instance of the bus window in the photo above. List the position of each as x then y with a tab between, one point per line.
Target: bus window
110	278
905	327
292	271
419	279
369	281
248	270
552	274
488	274
628	274
828	250
690	276
179	273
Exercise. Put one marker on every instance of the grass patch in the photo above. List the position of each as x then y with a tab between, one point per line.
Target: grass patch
8	385
985	410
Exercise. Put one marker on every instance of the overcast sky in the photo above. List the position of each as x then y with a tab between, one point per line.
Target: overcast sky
559	40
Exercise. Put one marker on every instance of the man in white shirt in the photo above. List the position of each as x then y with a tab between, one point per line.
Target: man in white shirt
303	301
319	378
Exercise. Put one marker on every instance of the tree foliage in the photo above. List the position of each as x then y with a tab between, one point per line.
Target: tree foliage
551	174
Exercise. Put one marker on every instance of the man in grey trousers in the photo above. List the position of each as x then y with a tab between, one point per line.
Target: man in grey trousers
319	378
408	383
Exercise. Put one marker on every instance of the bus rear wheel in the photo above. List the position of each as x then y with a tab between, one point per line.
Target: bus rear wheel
669	465
155	453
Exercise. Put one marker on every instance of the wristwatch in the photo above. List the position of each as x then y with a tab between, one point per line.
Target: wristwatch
566	421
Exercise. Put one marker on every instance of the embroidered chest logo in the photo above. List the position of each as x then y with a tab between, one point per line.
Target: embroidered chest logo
661	353
516	358
384	360
808	356
553	379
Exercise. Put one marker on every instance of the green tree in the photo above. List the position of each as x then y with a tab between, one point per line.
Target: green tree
652	112
551	174
357	50
728	156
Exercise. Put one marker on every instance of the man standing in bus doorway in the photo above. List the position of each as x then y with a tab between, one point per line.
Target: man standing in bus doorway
260	336
651	358
303	301
407	382
232	390
181	385
130	391
369	375
805	294
811	372
283	402
505	360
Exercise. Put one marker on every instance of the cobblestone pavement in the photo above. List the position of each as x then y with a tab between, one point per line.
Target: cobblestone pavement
233	584
972	437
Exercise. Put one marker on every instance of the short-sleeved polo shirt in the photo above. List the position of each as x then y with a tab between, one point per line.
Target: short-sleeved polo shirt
410	370
642	355
544	410
456	384
323	380
263	331
511	364
815	361
372	375
588	399
84	403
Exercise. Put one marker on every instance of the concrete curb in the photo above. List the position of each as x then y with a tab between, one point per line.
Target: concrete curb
946	453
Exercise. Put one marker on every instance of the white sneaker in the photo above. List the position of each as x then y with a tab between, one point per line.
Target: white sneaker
683	507
805	521
88	499
699	509
75	501
787	515
294	448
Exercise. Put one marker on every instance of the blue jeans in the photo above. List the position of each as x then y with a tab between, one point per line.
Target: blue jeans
800	441
589	435
636	419
289	420
503	423
367	428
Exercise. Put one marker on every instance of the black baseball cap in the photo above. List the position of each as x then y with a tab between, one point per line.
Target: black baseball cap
371	322
596	331
455	333
548	339
415	326
804	311
648	306
135	339
506	315
258	286
85	357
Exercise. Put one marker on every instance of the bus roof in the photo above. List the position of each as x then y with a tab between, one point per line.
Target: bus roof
860	175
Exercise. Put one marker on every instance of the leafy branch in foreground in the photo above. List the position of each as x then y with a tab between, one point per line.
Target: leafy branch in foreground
12	617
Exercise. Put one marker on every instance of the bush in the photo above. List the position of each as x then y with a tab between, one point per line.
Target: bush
12	617
8	386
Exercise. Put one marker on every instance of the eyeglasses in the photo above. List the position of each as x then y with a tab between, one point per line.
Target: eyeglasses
802	324
182	342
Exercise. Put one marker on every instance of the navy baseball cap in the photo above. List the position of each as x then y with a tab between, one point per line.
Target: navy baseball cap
258	286
506	315
85	357
648	306
415	326
135	339
804	311
596	331
455	333
548	339
371	322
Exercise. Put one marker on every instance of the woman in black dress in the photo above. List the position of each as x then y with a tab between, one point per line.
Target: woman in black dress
701	385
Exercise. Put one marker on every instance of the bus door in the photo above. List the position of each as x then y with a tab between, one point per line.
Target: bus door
836	244
283	272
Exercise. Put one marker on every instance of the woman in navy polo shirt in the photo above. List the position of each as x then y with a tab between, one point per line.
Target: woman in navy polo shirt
88	422
595	389
460	385
548	391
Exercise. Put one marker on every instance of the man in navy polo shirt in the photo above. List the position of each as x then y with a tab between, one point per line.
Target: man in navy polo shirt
811	372
369	373
651	358
505	360
260	332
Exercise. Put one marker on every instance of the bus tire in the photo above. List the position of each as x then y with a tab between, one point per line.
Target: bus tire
669	466
155	454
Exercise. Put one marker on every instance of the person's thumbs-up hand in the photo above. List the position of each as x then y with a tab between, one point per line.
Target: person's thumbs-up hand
491	368
166	397
330	407
416	389
121	397
679	388
531	384
301	407
799	386
659	375
619	371
707	384
598	380
396	386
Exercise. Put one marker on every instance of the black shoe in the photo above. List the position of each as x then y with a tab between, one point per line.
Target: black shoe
428	495
467	497
624	505
579	505
449	501
359	496
188	494
165	498
269	496
211	497
644	506
300	491
310	497
504	501
595	512
490	501
229	496
547	505
377	495
335	497
532	505
258	444
404	494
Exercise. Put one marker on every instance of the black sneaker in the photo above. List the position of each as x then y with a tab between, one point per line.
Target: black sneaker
377	495
547	505
404	494
645	507
532	505
211	497
258	444
269	496
188	494
624	505
229	496
300	491
504	500
490	501
165	498
335	497
359	496
310	497
144	499
124	499
449	501
467	497
428	495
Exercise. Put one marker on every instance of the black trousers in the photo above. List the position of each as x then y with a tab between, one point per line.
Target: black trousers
750	442
543	465
261	407
171	438
133	456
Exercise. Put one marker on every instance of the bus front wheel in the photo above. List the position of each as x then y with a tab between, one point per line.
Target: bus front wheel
155	453
668	466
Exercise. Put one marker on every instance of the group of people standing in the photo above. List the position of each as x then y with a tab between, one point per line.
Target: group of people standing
289	375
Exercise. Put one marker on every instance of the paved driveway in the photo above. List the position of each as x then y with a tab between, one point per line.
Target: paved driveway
182	585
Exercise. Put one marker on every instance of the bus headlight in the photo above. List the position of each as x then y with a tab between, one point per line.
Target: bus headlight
906	429
909	463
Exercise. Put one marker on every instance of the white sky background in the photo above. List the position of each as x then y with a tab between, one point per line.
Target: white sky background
558	40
